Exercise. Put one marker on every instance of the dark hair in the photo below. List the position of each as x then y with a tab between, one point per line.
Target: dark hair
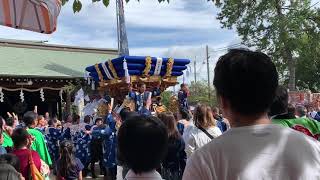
98	119
280	102
29	118
301	110
67	158
127	114
10	159
183	85
203	117
185	114
142	143
1	122
247	80
87	119
141	84
52	121
20	137
9	121
76	118
170	122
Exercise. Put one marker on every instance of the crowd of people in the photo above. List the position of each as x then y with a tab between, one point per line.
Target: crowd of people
258	135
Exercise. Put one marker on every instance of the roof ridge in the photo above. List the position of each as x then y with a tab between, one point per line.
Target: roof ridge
42	45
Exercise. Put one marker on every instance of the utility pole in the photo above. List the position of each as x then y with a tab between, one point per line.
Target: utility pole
207	57
195	69
195	73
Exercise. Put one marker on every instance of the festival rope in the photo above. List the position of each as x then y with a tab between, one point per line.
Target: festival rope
99	72
31	90
114	73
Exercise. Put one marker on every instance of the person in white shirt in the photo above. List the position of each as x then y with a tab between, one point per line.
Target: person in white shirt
142	146
204	131
253	148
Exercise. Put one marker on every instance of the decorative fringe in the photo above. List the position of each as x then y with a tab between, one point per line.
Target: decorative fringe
42	95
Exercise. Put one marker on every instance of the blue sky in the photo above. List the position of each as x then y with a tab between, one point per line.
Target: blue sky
181	28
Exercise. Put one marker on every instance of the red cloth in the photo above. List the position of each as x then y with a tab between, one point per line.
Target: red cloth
23	155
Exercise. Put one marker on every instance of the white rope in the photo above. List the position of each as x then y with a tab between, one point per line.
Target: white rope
106	71
31	90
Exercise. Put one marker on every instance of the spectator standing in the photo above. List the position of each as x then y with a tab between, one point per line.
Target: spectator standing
175	160
253	148
22	142
39	145
68	167
142	146
204	131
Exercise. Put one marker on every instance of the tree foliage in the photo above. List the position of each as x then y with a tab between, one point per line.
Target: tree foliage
199	92
274	26
308	63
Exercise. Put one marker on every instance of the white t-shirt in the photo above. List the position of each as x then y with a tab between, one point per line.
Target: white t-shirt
255	153
198	138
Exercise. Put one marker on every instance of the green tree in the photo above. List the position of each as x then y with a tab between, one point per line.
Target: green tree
199	93
274	26
308	63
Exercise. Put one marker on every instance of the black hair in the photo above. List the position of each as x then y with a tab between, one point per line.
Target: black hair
98	119
301	110
29	118
1	122
20	137
52	121
247	80
9	121
67	158
142	143
10	159
183	85
87	119
127	114
185	114
76	118
141	84
280	102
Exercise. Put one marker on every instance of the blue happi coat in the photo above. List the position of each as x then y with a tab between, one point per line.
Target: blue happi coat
139	98
110	141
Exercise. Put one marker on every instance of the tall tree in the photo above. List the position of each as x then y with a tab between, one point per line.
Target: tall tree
273	26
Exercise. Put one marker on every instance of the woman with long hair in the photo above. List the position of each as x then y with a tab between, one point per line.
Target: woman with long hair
175	161
204	131
68	167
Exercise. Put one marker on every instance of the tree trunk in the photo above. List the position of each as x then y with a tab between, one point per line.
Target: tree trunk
286	52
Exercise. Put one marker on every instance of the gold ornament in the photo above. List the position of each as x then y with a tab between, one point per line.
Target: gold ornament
99	72
148	66
169	67
174	104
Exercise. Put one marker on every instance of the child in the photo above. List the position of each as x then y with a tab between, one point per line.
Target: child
68	167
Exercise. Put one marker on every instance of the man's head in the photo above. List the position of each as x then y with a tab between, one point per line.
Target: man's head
142	143
30	119
20	138
280	102
301	111
41	121
142	87
245	82
99	121
87	119
215	112
185	115
184	87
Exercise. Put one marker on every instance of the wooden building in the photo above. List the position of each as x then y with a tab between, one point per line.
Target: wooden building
33	74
